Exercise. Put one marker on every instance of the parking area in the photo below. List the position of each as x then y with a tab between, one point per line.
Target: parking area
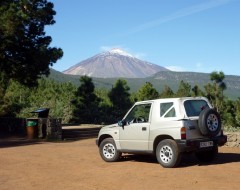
41	165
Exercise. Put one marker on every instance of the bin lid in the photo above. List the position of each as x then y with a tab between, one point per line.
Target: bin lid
31	123
42	112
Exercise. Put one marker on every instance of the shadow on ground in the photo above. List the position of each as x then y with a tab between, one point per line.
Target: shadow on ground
8	142
187	159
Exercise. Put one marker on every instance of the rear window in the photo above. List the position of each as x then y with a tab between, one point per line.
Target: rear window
194	107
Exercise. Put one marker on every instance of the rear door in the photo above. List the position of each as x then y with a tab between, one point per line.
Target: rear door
193	108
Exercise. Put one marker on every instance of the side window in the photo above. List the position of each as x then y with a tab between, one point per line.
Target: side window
139	114
167	110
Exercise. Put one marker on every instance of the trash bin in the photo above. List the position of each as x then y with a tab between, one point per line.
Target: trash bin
32	128
42	121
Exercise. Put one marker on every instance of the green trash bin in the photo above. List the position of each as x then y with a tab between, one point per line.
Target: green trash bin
32	128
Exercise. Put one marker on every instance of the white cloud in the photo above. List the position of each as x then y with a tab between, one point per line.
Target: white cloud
199	65
139	55
201	68
179	14
175	68
107	48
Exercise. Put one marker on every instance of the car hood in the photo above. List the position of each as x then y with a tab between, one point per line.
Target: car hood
110	126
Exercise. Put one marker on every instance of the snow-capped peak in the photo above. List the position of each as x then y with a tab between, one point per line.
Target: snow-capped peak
120	52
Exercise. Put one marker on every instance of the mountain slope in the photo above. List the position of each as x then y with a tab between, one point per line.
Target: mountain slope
114	63
159	80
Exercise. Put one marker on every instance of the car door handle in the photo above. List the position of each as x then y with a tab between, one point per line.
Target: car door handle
144	128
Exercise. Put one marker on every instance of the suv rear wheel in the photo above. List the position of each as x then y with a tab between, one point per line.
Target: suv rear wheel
167	153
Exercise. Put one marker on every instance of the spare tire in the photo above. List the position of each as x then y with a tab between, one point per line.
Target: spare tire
209	122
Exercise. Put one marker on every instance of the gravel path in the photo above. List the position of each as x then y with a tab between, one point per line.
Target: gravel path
75	165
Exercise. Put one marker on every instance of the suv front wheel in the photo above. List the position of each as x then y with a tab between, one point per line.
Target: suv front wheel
167	153
108	150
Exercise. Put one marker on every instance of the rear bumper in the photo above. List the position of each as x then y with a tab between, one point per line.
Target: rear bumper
194	145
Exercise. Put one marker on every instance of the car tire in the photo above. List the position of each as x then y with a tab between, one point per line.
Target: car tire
108	150
209	122
207	156
168	154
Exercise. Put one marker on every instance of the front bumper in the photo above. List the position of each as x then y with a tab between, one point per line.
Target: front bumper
194	145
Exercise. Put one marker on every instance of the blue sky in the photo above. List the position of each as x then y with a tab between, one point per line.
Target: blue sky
182	35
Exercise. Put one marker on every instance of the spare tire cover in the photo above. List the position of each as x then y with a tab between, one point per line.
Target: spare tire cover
209	122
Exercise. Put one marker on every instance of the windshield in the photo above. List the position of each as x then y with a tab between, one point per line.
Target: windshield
194	107
140	113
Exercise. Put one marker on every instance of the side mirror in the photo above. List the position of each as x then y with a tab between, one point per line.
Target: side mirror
122	123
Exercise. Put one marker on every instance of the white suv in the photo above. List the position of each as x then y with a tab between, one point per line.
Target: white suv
166	128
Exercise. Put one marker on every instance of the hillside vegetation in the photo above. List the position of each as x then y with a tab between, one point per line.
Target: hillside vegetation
158	80
103	101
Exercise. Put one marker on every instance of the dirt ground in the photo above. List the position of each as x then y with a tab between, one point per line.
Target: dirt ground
75	165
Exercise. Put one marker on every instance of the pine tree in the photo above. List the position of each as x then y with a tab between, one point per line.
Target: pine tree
184	89
86	102
120	98
147	92
167	92
25	54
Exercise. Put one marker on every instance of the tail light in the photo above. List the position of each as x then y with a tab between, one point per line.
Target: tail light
183	133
